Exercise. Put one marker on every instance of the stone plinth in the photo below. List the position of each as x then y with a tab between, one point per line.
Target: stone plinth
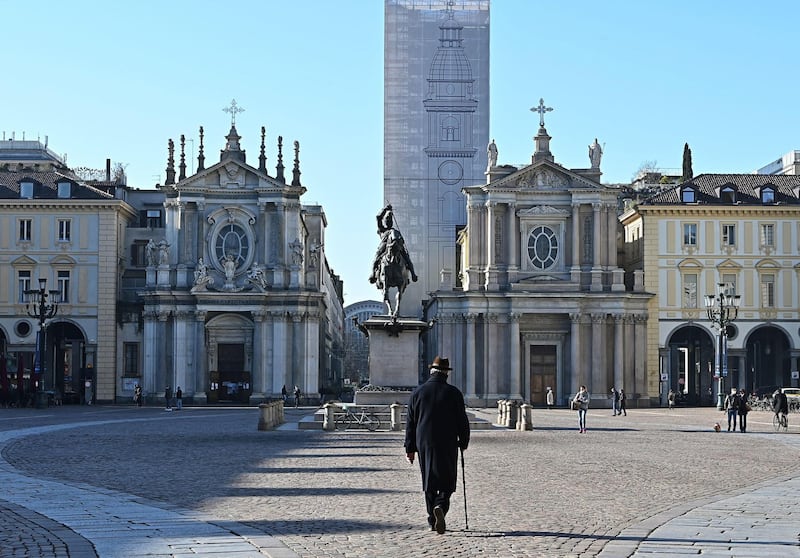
393	359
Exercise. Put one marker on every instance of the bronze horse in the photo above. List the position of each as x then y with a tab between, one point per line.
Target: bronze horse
393	270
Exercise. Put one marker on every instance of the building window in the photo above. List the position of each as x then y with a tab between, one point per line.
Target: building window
768	290
150	219
729	235
64	226
768	234
63	285
26	190
690	234
139	254
729	280
131	364
25	226
690	290
64	190
232	240
727	195
767	195
688	195
24	282
542	247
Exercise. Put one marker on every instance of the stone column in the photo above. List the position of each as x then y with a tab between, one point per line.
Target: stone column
201	377
513	237
514	367
576	237
578	375
150	352
492	377
597	241
296	361
619	352
491	281
611	257
640	357
474	223
280	368
168	376
469	365
629	374
312	364
598	372
180	344
260	388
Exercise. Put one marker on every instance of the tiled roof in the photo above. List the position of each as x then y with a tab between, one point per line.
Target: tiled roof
747	187
45	185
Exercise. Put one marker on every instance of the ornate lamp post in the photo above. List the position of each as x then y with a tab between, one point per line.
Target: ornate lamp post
722	309
39	308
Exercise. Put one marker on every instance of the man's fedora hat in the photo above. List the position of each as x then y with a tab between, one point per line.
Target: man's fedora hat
441	363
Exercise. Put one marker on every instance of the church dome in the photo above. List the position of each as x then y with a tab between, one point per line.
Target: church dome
450	64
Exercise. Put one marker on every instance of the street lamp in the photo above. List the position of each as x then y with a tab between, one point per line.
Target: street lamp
39	308
722	309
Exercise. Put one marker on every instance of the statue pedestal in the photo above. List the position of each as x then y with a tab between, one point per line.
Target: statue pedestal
393	359
163	275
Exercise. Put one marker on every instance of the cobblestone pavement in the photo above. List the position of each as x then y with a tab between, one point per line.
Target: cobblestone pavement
652	483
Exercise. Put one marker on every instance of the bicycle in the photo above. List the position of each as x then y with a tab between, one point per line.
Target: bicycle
780	422
350	419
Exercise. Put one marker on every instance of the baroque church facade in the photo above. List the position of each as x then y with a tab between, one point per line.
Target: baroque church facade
538	298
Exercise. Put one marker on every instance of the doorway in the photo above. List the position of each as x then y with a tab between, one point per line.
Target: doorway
234	382
543	359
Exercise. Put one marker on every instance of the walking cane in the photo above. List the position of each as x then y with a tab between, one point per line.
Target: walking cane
464	484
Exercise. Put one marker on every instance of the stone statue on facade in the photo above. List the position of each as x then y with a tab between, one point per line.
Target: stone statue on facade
163	253
595	154
391	267
201	277
229	265
257	276
297	252
151	253
313	254
491	154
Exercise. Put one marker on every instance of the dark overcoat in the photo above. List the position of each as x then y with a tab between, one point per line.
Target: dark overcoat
436	427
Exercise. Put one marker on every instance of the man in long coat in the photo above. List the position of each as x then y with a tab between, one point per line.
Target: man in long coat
437	426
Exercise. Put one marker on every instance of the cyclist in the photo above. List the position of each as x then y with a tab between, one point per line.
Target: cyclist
780	405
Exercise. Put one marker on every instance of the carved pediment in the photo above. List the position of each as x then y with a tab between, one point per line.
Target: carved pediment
542	178
540	210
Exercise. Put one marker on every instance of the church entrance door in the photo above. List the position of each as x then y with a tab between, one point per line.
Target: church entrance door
234	381
543	372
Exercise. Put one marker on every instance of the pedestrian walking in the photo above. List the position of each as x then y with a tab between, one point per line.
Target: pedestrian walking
623	405
671	400
780	406
137	395
550	398
614	402
179	398
436	428
168	398
284	393
581	404
297	394
732	406
743	409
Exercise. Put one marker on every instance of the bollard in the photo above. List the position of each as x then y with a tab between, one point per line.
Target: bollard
263	423
328	422
396	414
525	420
270	415
511	415
501	405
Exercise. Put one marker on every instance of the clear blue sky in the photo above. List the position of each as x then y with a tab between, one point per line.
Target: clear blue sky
117	80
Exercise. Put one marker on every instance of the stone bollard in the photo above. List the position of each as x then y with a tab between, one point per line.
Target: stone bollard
525	419
270	415
328	422
396	416
501	406
511	415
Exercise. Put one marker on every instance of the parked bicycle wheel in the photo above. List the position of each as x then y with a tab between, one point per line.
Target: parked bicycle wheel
372	422
343	422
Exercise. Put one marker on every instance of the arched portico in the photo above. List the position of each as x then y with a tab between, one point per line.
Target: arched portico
769	362
690	365
229	344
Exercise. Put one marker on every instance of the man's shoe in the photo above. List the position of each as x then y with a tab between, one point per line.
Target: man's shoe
439	525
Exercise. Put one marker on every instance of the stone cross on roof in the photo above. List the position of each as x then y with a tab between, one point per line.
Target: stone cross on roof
541	109
233	109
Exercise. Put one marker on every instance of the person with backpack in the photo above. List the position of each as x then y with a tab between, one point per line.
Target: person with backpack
296	396
732	406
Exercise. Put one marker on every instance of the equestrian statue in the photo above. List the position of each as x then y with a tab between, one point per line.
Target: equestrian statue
392	266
